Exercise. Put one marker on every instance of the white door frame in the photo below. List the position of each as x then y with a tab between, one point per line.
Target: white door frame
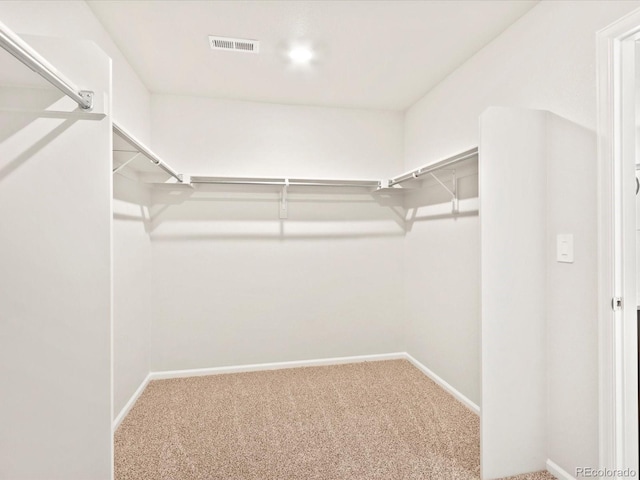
617	243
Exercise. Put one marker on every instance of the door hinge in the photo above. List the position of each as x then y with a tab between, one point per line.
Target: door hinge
616	303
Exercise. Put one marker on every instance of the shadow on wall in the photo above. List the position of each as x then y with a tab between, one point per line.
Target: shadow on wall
8	167
25	107
230	212
131	202
253	212
431	201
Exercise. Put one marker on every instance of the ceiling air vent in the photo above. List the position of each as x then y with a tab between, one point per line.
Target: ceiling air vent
234	44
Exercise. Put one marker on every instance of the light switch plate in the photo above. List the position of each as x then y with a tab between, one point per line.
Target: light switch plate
565	248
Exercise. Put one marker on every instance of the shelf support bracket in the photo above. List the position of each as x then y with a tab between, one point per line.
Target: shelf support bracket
284	212
453	191
120	167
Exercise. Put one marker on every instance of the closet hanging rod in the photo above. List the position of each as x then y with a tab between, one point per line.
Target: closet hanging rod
433	167
283	182
20	49
140	147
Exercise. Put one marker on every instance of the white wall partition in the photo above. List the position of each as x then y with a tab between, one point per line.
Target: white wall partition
131	109
132	260
539	315
572	320
513	257
55	255
234	284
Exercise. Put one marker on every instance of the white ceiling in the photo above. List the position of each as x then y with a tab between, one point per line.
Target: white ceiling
370	54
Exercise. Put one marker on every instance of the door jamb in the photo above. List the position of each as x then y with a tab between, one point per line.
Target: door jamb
618	381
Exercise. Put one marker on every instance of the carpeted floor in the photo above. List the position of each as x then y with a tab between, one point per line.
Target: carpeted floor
362	421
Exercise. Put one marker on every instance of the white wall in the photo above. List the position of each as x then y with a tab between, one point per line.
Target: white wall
224	137
442	272
572	321
235	285
132	287
55	287
513	233
546	60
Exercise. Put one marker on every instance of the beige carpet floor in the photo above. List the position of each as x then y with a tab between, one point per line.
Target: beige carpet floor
362	421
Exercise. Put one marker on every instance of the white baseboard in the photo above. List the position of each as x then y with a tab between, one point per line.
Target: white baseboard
246	368
195	372
125	410
457	395
558	472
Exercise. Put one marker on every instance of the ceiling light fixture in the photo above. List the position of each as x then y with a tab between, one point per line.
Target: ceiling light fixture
301	54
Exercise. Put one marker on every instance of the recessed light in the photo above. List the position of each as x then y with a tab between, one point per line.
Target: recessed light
301	54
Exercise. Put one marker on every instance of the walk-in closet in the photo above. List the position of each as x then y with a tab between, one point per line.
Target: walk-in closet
269	240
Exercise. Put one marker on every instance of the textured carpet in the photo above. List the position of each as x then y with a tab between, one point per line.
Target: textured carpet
362	421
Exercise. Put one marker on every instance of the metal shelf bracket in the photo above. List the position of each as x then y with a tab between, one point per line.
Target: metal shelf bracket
87	95
453	191
120	167
284	212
